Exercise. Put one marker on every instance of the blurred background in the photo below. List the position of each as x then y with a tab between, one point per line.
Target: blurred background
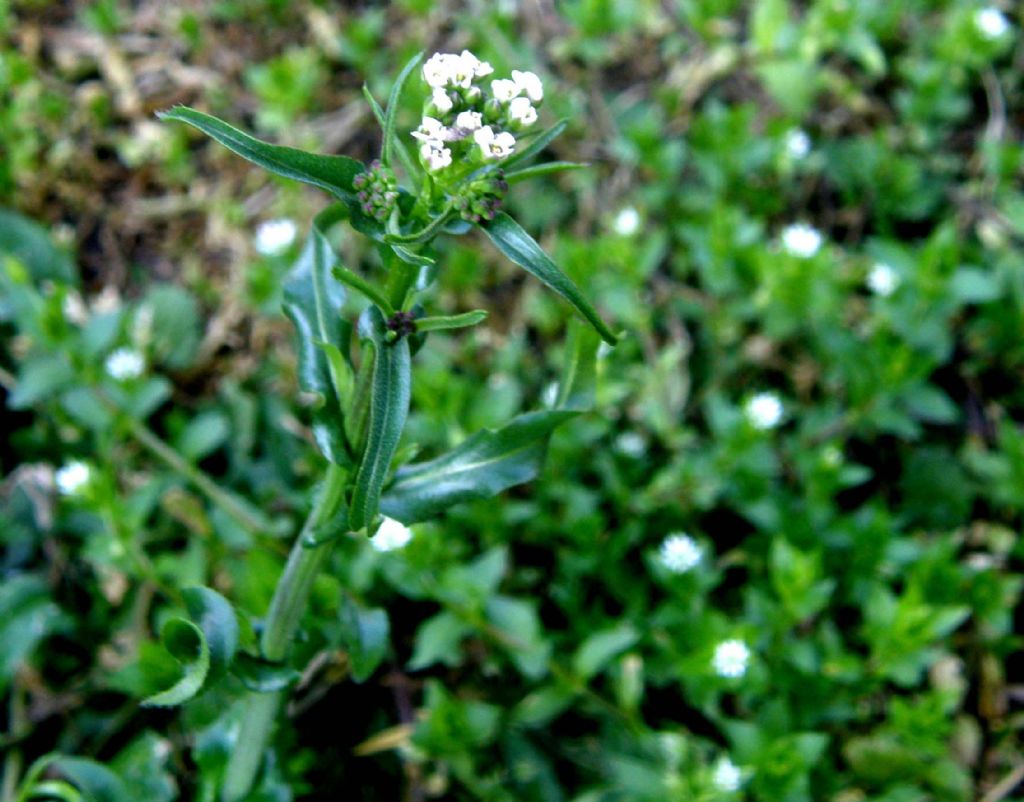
779	562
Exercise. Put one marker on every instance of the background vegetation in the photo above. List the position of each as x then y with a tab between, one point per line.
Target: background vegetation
864	546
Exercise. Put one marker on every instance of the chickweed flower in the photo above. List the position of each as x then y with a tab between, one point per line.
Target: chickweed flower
627	221
730	659
274	236
801	240
679	553
798	144
991	23
726	776
391	535
764	411
72	478
124	364
883	280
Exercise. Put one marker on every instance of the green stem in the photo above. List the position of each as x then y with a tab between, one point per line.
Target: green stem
282	622
424	233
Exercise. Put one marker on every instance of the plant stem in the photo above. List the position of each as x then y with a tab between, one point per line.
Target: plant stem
286	608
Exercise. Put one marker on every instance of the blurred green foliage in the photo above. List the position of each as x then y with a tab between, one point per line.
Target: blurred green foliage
831	412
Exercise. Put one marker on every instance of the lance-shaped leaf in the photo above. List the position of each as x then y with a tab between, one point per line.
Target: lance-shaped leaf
331	173
313	298
204	647
389	405
513	241
494	460
392	111
93	781
537	145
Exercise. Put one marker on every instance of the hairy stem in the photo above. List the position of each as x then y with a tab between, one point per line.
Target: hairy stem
282	622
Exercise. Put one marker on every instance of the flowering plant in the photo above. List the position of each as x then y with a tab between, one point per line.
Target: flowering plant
471	145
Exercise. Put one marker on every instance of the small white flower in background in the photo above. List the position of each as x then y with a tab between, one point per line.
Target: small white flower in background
632	444
679	553
529	83
798	144
730	659
764	410
441	99
274	236
124	364
883	280
504	90
72	478
391	535
435	155
991	22
522	111
469	120
726	776
478	67
494	146
801	240
627	221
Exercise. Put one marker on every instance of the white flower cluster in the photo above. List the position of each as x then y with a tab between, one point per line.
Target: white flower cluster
72	478
391	535
802	240
726	776
461	111
125	364
883	280
273	237
991	23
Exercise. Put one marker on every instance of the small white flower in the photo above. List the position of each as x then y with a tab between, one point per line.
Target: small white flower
764	410
494	146
274	236
801	240
798	144
441	99
438	69
631	444
679	553
529	83
431	130
461	71
883	280
522	111
436	155
991	22
391	535
469	120
730	659
504	89
726	776
124	364
72	478
479	68
627	221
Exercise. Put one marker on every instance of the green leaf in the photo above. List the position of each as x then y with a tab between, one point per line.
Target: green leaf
313	299
93	780
483	465
438	640
392	110
523	250
494	460
216	618
365	634
537	145
263	676
30	244
389	405
601	648
331	173
536	170
204	649
403	153
364	288
39	379
440	323
28	615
